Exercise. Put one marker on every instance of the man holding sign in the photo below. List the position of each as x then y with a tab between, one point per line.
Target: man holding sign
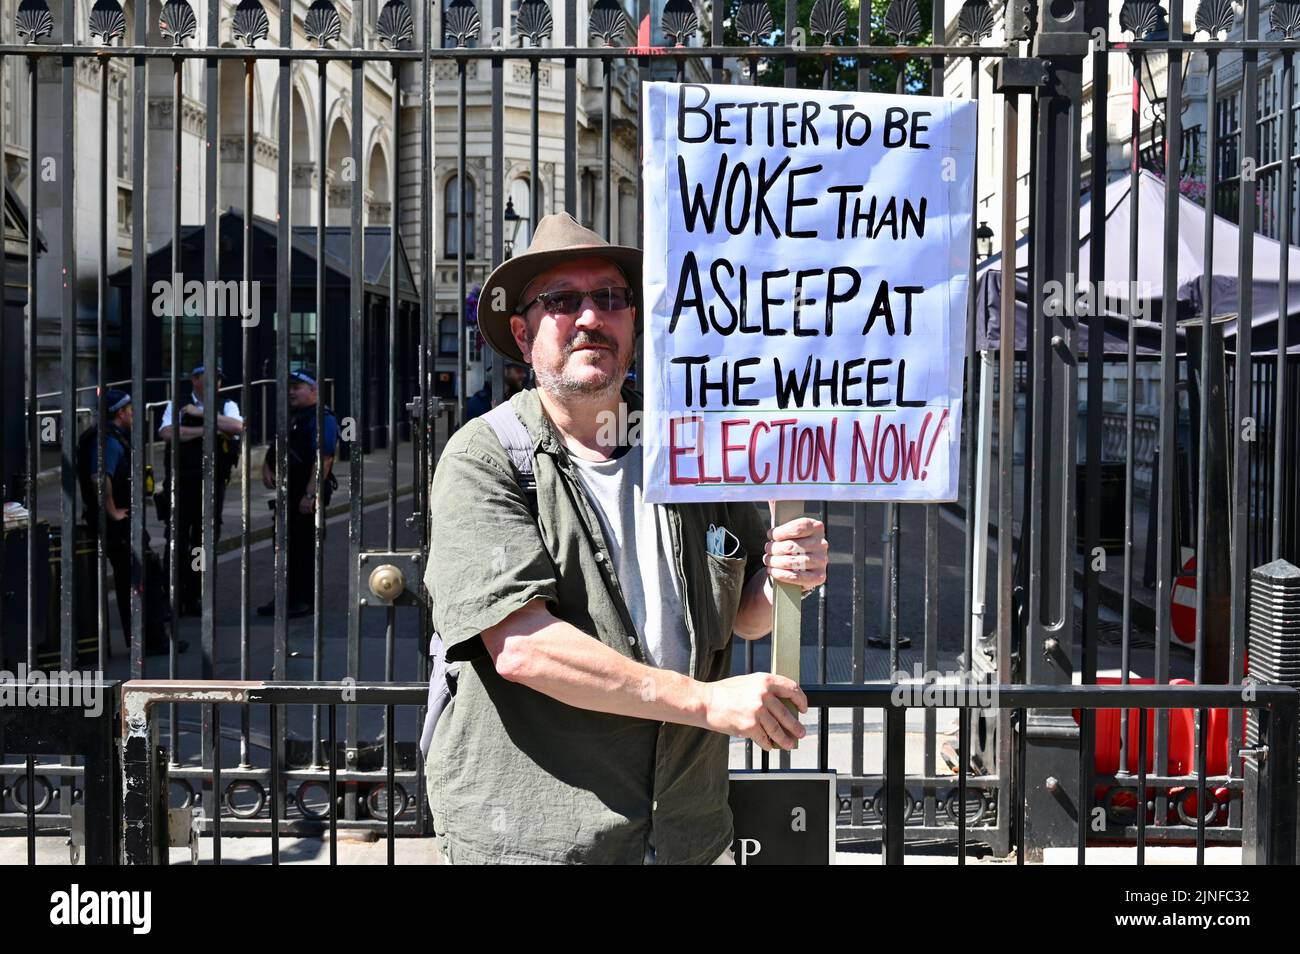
592	709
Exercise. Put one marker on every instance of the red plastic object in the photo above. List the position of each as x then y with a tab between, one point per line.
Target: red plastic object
1182	737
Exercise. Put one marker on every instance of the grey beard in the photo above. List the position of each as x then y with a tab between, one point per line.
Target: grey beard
563	384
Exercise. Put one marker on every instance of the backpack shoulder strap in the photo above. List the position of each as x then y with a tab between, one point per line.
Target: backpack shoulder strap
514	437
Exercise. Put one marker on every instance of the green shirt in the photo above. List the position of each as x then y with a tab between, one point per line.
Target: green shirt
515	775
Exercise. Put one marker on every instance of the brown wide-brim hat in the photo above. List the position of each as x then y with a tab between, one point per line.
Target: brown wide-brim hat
558	238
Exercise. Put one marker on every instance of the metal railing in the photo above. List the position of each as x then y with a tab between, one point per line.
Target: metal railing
1268	788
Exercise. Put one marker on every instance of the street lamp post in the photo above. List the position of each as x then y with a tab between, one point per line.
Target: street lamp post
1153	75
512	221
983	240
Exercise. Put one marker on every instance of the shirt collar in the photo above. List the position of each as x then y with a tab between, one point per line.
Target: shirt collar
528	406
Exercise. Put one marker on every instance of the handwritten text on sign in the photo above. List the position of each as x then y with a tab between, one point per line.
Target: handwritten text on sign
806	270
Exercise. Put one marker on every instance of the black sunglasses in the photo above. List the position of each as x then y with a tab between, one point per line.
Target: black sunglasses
568	301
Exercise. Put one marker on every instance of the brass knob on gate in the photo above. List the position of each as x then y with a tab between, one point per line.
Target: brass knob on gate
386	582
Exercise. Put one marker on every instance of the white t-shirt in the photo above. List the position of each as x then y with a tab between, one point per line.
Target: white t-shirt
230	410
640	542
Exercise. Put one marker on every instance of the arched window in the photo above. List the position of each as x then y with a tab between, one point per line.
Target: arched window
451	232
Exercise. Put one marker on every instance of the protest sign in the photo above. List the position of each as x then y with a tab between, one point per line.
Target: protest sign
807	259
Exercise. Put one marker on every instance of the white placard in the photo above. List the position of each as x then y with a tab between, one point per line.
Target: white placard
807	262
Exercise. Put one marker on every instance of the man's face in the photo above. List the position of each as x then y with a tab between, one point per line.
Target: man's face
301	394
197	382
583	354
125	417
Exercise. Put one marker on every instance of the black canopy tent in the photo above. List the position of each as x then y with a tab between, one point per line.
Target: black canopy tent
375	349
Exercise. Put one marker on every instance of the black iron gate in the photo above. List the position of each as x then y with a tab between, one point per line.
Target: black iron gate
277	117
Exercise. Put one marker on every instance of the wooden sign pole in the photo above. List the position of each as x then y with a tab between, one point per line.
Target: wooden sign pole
786	614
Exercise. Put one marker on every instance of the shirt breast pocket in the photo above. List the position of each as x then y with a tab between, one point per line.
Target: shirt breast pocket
726	583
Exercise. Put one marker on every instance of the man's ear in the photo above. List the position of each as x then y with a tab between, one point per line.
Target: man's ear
519	328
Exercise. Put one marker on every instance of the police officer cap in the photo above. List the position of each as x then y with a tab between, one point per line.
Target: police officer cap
303	375
115	400
198	369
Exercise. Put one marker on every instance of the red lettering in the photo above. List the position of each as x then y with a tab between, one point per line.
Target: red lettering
912	450
727	448
674	450
805	460
890	432
867	453
753	454
825	453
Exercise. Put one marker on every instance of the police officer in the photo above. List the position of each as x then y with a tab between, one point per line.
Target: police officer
117	506
187	522
306	489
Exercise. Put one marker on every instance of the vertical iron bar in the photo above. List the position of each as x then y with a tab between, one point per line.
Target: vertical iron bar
275	785
823	713
1283	284
857	663
68	348
334	786
1166	545
1202	800
500	198
283	328
1203	438
211	397
174	393
461	212
571	113
1244	391
1083	815
392	791
426	399
1006	437
607	67
33	453
30	807
1092	459
139	264
930	801
101	360
1021	749
394	244
969	403
1130	409
895	782
318	523
963	750
1142	787
246	397
357	347
214	804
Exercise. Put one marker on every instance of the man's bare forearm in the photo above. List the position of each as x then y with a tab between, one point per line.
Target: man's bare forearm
754	618
537	650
